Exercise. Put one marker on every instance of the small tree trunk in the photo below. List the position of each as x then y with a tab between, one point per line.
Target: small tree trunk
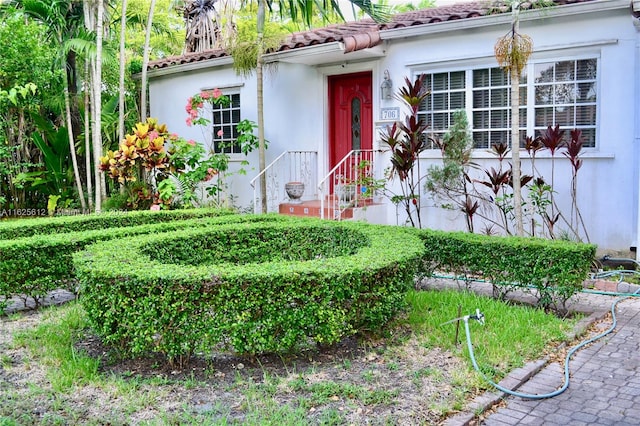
515	151
145	62
87	137
259	78
123	32
72	146
97	101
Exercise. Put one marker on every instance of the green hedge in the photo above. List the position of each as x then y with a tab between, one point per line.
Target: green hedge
254	287
23	228
38	264
553	270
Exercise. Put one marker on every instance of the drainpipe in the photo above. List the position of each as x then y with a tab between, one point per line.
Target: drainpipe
636	24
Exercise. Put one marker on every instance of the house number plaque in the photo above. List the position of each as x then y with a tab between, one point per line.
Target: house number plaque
390	114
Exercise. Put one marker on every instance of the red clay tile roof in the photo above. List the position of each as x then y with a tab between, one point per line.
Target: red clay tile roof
365	33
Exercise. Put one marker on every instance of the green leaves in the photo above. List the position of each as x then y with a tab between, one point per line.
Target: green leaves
40	261
262	284
552	270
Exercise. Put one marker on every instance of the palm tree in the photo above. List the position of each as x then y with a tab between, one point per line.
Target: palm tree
512	52
63	20
94	18
202	25
123	32
203	32
97	90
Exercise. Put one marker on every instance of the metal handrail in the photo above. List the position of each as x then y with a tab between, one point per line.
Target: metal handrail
305	155
331	175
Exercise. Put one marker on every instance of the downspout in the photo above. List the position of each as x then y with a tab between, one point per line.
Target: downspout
636	24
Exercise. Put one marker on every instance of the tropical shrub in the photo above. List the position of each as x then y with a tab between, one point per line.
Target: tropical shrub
406	140
253	287
160	169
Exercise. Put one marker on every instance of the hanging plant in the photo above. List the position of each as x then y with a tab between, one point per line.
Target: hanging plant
512	51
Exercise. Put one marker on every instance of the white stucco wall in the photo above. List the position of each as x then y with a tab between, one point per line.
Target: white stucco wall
607	181
296	109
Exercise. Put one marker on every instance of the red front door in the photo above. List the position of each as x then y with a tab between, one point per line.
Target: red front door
350	115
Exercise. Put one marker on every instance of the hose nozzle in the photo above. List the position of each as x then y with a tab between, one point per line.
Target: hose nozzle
479	316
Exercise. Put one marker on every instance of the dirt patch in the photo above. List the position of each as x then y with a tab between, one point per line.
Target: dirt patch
358	381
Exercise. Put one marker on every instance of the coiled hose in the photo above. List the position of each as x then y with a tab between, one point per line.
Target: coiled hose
480	318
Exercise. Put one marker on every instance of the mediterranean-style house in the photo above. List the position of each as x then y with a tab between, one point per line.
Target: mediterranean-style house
327	99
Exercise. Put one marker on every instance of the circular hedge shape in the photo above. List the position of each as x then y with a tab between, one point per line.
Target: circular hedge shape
254	287
257	245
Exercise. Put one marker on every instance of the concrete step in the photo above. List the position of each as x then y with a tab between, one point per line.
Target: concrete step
332	210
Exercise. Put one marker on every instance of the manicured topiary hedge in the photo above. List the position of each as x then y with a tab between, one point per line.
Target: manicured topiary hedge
553	270
38	264
254	287
11	229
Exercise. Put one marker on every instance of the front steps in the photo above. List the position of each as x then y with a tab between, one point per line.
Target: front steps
368	211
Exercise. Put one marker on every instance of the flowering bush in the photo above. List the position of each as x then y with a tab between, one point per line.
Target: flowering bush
155	167
199	107
197	102
158	168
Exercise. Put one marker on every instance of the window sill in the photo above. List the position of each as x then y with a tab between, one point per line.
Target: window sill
483	154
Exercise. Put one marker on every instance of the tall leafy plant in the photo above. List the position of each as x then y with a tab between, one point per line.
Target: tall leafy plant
450	183
406	140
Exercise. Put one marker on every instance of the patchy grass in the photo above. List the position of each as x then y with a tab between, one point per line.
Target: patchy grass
54	371
510	336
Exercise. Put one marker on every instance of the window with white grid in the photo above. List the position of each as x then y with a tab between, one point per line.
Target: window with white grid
447	95
225	121
551	92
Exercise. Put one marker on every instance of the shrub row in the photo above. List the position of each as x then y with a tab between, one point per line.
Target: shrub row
253	287
34	266
553	270
62	224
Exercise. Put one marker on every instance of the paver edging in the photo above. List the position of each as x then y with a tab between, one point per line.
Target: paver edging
518	377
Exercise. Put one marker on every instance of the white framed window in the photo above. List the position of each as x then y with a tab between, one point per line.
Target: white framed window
552	92
225	120
491	107
565	93
447	95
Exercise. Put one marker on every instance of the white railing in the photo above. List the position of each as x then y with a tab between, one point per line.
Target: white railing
290	166
353	182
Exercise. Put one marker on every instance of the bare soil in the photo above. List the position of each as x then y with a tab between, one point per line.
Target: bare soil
358	381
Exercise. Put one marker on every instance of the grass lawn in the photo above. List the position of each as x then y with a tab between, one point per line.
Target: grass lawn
54	371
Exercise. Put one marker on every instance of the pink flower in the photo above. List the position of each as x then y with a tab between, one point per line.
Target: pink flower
216	93
204	94
191	142
211	172
220	133
189	122
155	207
193	113
152	135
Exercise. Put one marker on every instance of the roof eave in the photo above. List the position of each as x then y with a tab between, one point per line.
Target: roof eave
503	19
325	53
190	66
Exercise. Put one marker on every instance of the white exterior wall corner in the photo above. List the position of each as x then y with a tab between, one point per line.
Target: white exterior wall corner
168	94
636	156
